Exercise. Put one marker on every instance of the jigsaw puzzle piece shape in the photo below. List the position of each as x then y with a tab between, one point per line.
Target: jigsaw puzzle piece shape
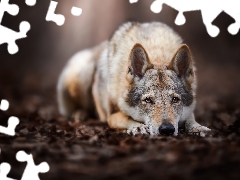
208	15
43	167
234	28
234	13
51	16
4	105
209	9
133	1
4	170
76	11
180	19
31	171
9	36
156	6
12	9
30	2
12	124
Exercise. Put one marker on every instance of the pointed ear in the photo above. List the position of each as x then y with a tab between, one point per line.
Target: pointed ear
182	62
139	62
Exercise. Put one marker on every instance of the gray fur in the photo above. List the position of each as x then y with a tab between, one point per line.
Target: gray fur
161	87
183	90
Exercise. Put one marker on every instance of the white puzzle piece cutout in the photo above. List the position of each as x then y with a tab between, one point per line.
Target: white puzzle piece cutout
4	170
7	35
4	105
30	2
76	11
31	171
12	9
133	1
209	9
12	124
12	121
51	16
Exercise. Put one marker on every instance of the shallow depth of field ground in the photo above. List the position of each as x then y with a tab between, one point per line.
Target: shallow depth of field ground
90	150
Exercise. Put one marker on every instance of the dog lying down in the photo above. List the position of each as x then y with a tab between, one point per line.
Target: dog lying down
143	79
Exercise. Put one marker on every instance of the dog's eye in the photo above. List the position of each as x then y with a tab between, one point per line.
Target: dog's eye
148	100
175	100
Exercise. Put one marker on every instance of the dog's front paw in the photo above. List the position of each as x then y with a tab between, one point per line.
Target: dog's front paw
198	130
141	129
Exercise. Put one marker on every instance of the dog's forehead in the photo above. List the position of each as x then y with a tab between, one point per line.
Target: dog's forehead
161	78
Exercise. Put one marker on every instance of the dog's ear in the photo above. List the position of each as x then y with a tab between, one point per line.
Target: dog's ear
182	62
139	62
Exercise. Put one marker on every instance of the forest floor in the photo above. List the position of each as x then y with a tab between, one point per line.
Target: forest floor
90	150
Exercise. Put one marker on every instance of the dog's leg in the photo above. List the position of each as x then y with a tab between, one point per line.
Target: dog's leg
125	123
193	127
65	102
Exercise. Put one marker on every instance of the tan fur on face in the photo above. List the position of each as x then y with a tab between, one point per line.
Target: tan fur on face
151	36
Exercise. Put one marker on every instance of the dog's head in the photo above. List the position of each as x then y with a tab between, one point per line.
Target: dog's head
158	94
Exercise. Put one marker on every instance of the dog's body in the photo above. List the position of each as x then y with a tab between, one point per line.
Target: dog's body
142	79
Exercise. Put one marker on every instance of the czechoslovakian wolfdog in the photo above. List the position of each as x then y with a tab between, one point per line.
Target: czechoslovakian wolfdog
142	80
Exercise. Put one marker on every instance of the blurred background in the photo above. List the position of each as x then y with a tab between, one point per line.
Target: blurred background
43	54
89	150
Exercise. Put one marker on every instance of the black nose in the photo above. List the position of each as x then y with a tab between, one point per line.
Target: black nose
167	129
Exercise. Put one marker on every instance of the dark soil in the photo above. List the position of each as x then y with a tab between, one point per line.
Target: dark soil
90	150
